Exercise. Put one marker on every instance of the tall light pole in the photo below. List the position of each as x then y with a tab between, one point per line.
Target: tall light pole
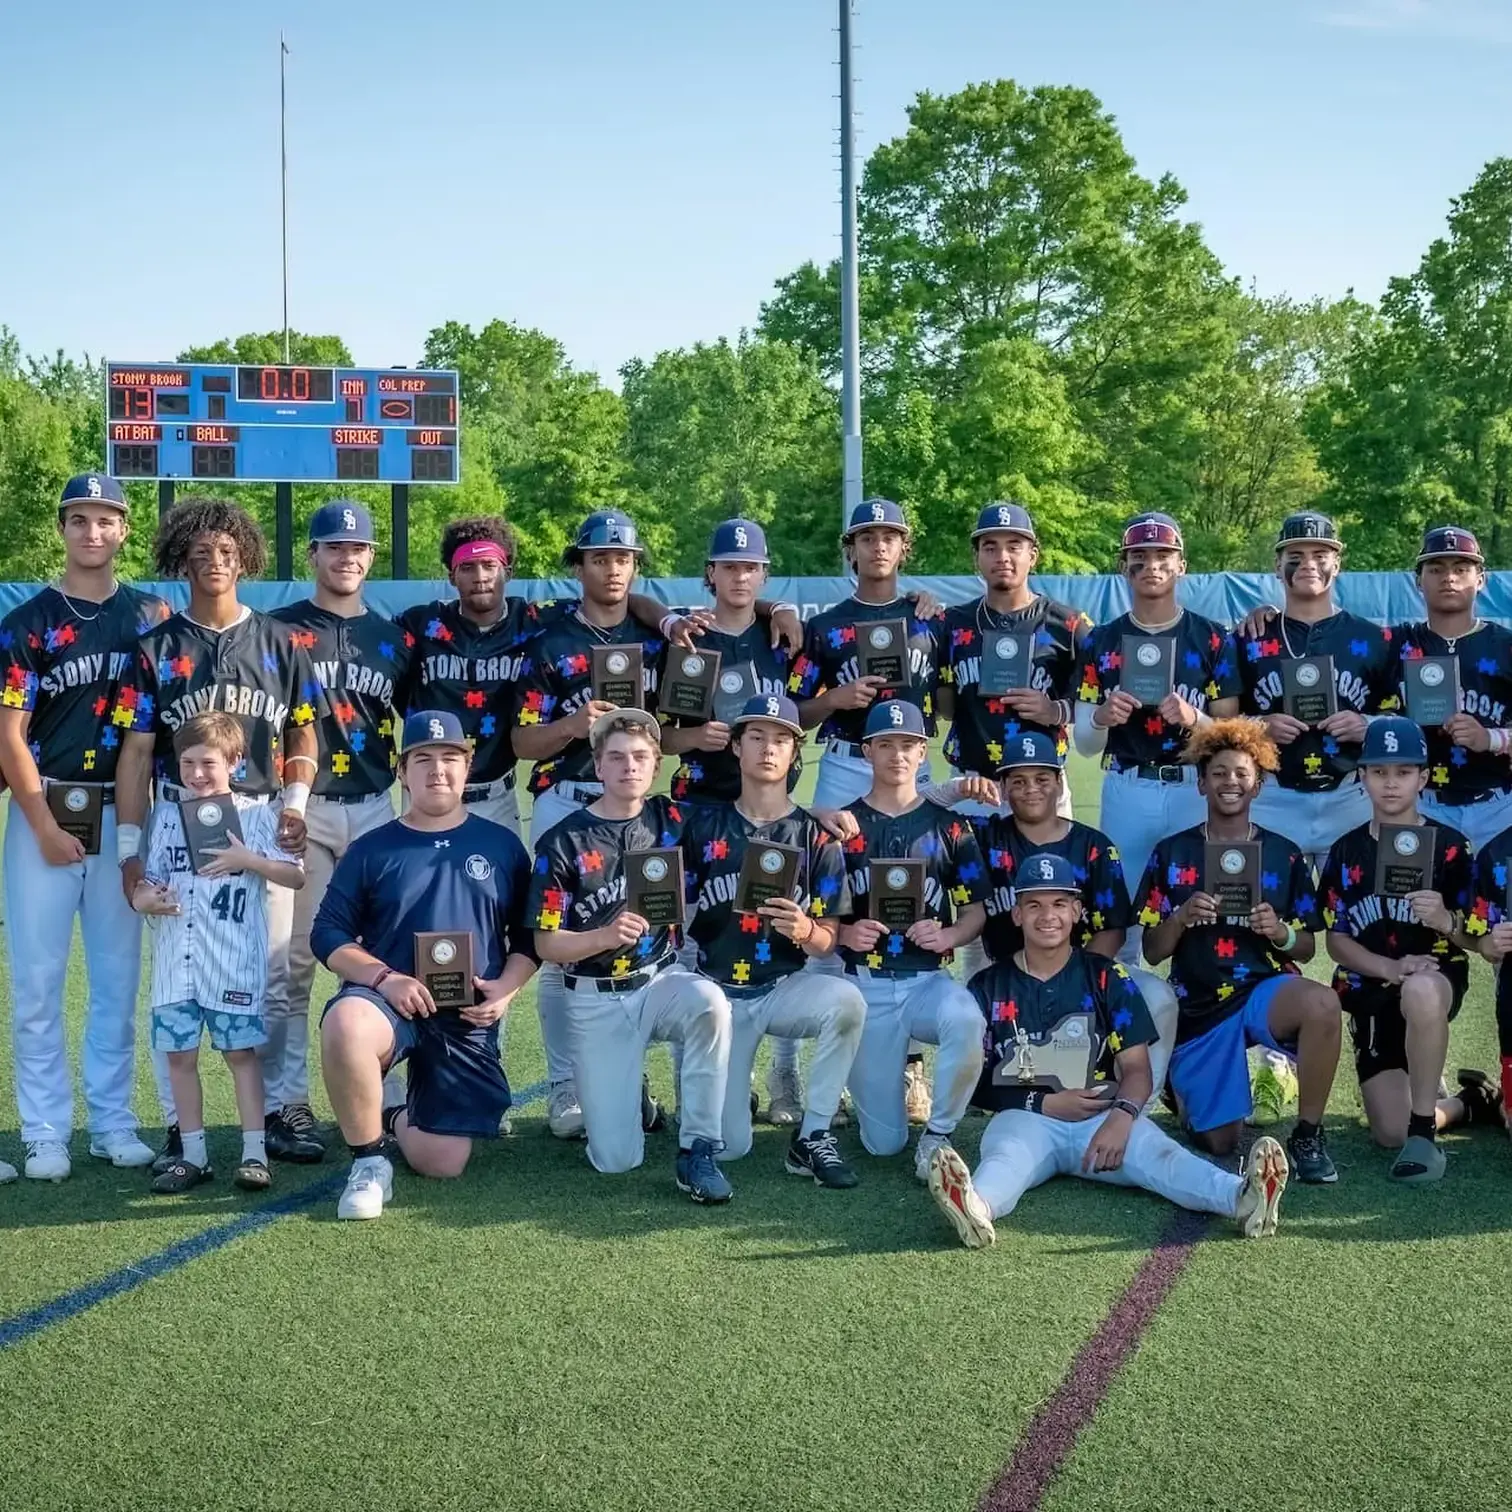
850	288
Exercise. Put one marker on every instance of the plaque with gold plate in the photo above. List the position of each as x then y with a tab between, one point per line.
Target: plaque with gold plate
444	967
78	808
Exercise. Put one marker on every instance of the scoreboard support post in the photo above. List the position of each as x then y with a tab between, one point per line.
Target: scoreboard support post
399	531
283	530
165	497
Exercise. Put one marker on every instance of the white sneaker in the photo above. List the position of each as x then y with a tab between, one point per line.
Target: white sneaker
370	1184
924	1152
7	1173
121	1148
950	1186
564	1114
1265	1173
784	1097
47	1160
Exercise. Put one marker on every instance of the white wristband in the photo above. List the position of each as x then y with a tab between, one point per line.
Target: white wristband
667	622
785	608
295	796
128	842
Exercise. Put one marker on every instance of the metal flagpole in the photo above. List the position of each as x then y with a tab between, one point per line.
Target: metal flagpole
283	192
850	323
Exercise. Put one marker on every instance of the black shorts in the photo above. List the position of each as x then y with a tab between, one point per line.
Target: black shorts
1378	1029
456	1082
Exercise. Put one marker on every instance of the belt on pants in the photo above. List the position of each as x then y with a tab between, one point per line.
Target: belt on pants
107	789
631	983
478	792
1468	801
1155	771
884	974
345	797
577	792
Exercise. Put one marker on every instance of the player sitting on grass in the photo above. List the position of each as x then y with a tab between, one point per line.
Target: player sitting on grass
901	970
210	946
625	986
439	870
1056	1011
1237	979
1402	968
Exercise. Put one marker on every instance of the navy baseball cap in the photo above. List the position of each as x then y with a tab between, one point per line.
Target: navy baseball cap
93	488
1006	517
738	541
773	708
894	716
1392	740
432	727
1045	872
1309	527
876	514
608	529
1152	529
1030	748
342	520
1450	541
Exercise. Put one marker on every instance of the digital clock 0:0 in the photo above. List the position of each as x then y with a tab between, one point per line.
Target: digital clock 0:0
134	461
287	385
433	465
357	463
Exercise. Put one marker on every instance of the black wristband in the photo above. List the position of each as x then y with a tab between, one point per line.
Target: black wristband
1131	1108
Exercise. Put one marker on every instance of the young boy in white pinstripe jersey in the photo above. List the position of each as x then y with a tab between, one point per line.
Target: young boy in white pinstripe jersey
210	948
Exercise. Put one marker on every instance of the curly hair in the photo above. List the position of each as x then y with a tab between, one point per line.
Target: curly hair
194	517
493	528
1238	734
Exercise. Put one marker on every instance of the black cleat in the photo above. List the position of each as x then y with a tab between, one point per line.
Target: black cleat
1481	1097
1310	1160
291	1135
172	1151
818	1156
180	1176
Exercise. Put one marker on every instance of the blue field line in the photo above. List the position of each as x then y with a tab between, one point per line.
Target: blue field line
70	1305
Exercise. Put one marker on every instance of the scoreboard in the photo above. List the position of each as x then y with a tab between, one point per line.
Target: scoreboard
220	422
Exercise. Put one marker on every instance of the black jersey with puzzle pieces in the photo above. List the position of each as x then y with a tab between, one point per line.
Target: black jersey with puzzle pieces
250	669
1386	926
1012	999
578	882
1217	966
955	876
470	670
1457	774
742	950
830	658
1492	906
73	671
1365	680
982	725
1205	671
362	661
556	680
1095	863
714	776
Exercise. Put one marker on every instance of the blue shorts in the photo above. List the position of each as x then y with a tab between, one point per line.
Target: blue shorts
456	1082
178	1026
1210	1074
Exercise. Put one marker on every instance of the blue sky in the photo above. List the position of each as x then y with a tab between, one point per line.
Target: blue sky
633	176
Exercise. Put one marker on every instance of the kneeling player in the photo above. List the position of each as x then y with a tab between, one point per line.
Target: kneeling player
757	956
1402	968
908	995
625	987
439	869
1048	996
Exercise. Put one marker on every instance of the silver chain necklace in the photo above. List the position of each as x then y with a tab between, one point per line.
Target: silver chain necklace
74	609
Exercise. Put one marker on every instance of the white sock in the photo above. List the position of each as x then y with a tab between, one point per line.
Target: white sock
812	1124
194	1148
254	1145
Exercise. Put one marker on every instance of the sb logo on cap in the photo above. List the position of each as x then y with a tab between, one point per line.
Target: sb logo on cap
1046	870
741	539
437	730
348	520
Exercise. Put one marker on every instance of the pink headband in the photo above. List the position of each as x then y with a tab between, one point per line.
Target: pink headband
479	551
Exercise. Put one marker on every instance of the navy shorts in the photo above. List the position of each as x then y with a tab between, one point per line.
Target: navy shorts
456	1082
1210	1074
1378	1030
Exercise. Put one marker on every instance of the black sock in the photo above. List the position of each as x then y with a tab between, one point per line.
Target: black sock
1421	1126
915	1060
383	1146
1304	1130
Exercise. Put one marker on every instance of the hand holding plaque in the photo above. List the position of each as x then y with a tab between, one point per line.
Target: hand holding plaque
896	896
687	689
444	967
1404	859
209	824
882	651
768	871
618	676
1063	1062
1007	662
78	808
1231	875
654	886
1149	668
1308	692
1432	684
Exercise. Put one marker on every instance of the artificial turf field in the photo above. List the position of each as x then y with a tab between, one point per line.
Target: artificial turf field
539	1336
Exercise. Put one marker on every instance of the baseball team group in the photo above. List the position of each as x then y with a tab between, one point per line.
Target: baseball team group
229	777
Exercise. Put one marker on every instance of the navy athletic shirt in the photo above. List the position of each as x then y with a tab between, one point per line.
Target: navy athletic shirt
395	882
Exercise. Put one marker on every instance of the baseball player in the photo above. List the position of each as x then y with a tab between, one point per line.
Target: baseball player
1490	927
217	655
1009	614
900	971
554	713
757	958
625	986
210	946
1237	979
64	652
1401	967
361	659
1031	775
1091	1125
1149	789
1316	796
442	868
